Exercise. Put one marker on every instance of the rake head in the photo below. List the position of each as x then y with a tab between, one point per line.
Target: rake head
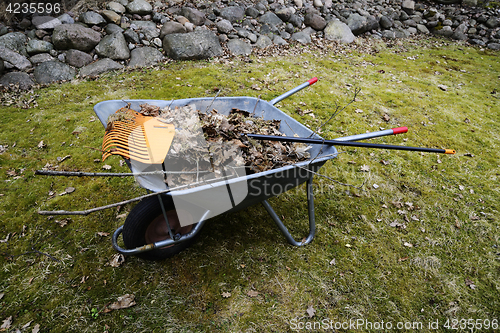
134	136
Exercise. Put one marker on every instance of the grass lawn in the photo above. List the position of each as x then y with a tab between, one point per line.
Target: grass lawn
417	244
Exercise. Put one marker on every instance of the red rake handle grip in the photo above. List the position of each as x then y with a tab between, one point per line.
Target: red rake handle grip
399	130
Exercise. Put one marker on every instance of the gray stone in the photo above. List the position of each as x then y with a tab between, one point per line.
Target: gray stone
66	19
15	41
171	27
460	32
263	41
45	22
157	42
139	7
20	79
372	23
78	58
75	36
92	18
131	36
445	31
100	67
315	21
317	3
41	57
298	3
224	26
422	28
140	25
61	57
52	71
116	7
285	13
339	31
357	24
388	34
239	47
111	28
492	22
144	56
296	20
494	46
252	12
278	40
301	37
150	34
113	46
233	13
252	37
194	15
111	16
16	59
385	22
200	44
408	6
271	19
243	33
35	46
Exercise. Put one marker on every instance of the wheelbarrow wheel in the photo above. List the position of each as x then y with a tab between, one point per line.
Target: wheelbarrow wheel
146	224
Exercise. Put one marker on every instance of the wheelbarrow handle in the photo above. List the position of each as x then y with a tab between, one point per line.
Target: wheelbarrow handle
370	135
294	90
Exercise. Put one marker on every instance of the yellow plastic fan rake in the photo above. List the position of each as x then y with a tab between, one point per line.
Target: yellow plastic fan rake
134	136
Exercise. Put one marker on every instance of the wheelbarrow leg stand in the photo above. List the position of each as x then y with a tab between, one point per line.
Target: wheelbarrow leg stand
312	222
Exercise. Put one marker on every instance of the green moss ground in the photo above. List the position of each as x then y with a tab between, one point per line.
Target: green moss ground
449	204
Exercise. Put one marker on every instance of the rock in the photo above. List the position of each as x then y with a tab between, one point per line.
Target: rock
41	57
298	3
144	56
408	6
252	12
111	16
131	36
116	7
139	7
141	25
422	28
224	26
15	41
52	71
111	28
285	13
239	47
445	31
171	27
339	31
92	18
271	19
45	22
193	15
233	13
35	46
75	36
357	24
372	23
296	21
278	40
78	58
113	46
200	44
20	79
460	32
66	19
301	37
317	3
493	22
252	37
263	41
385	22
494	46
388	34
14	58
315	21
100	67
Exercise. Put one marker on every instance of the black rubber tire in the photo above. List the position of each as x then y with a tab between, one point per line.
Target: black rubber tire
137	227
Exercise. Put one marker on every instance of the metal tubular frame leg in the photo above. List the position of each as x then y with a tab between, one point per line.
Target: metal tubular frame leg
312	221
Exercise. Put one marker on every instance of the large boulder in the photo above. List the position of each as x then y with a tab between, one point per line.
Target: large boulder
75	36
78	58
14	58
200	44
113	46
100	67
52	71
239	47
339	31
270	18
357	23
15	41
20	79
144	56
139	7
233	13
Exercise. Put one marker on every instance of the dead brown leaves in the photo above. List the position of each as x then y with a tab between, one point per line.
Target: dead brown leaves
123	302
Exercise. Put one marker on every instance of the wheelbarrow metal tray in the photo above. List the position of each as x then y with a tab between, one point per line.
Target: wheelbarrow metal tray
262	185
